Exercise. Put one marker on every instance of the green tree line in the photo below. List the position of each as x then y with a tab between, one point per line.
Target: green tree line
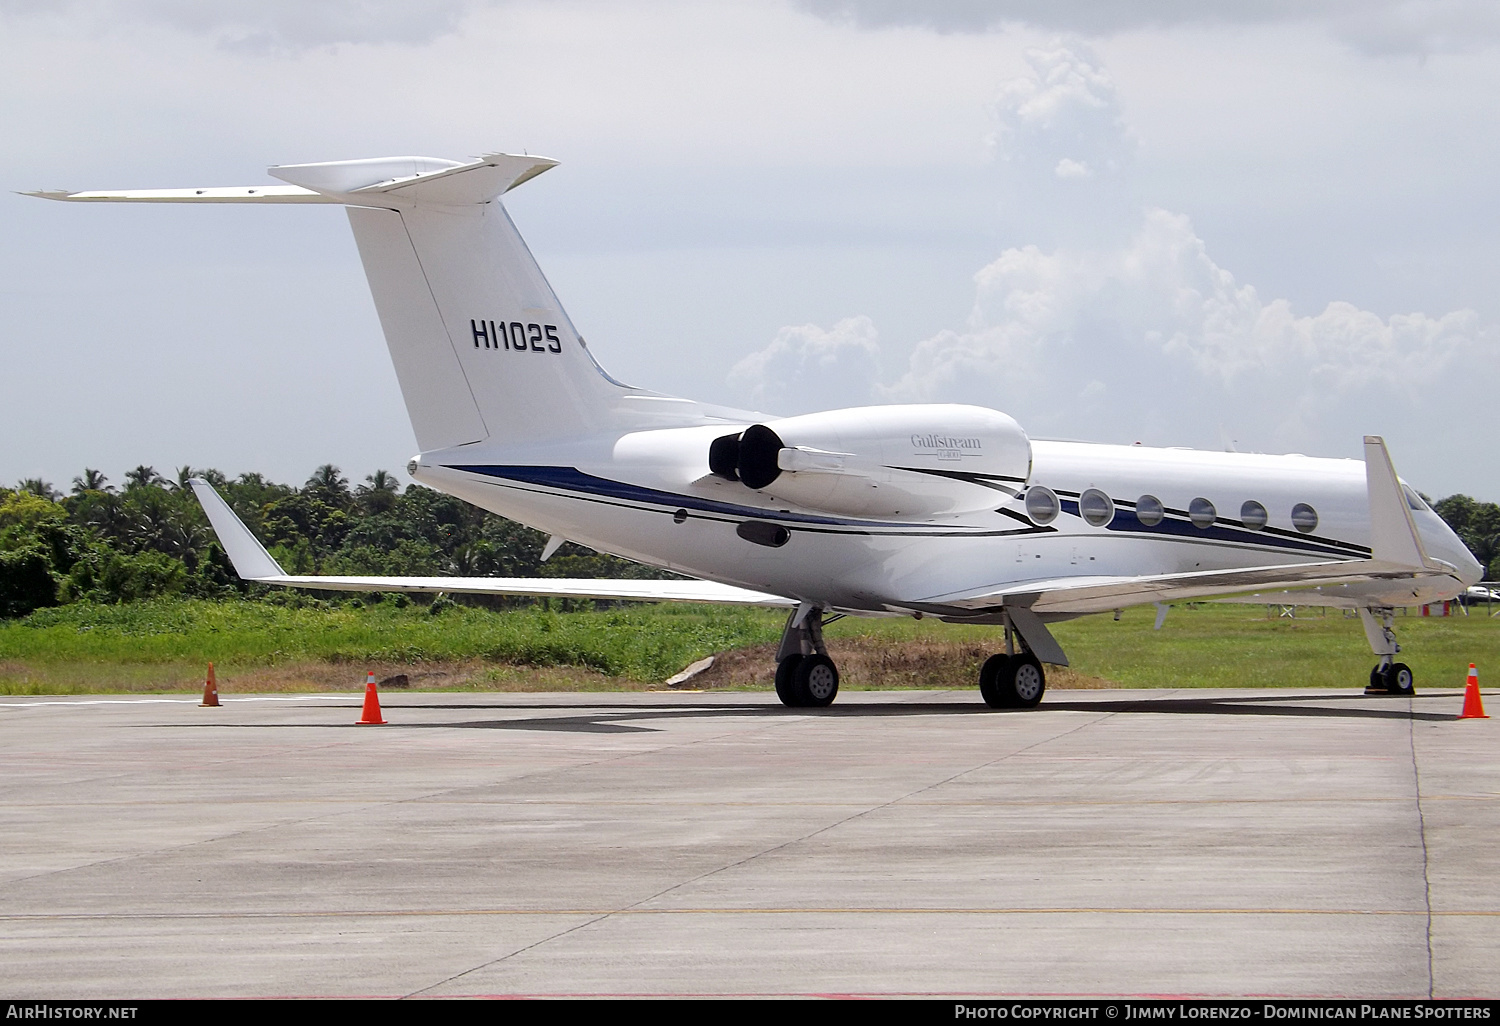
150	538
1478	524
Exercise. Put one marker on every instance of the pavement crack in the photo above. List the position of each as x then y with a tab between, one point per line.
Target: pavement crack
778	723
1422	835
635	905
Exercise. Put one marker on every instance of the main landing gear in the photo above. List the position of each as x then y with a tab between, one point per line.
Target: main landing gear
805	676
1011	679
1388	677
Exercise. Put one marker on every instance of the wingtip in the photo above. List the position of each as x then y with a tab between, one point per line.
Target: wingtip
51	194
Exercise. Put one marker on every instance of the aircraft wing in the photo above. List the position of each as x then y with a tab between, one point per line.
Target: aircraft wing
1097	594
253	563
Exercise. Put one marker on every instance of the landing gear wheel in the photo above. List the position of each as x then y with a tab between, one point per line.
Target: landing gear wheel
816	681
1022	683
1399	680
1377	681
990	674
786	687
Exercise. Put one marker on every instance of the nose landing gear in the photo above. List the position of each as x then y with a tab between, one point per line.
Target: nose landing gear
1388	677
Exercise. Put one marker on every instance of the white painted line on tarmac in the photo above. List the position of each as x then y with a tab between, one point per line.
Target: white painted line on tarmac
66	700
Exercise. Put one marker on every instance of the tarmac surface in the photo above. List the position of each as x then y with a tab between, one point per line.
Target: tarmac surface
906	843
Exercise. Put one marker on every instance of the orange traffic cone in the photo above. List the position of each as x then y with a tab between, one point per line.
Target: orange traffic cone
371	715
210	690
1473	705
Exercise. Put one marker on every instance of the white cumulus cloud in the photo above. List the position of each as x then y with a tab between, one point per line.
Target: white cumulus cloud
806	368
1063	114
1174	348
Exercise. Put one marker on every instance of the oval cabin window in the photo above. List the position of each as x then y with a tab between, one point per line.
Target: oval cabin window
1253	515
1149	510
1096	508
1202	513
1041	505
1304	518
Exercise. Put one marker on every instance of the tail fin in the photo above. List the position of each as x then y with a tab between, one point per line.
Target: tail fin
481	345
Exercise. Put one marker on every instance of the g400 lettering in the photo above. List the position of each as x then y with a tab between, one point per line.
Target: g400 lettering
515	336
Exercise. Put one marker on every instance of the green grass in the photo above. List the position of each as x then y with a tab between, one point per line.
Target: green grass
1240	646
130	644
1208	645
164	645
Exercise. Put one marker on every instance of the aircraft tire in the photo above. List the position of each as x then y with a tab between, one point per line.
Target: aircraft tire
786	683
990	673
1399	680
1023	682
1377	679
816	681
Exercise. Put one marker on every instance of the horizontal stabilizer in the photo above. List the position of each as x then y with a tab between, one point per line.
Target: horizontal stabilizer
232	194
375	182
253	563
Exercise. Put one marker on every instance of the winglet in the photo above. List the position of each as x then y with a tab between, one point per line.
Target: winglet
1393	533
250	558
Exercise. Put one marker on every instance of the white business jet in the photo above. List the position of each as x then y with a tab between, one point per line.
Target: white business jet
926	510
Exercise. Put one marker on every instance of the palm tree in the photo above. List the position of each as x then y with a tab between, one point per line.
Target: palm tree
91	480
379	492
380	481
474	560
141	477
184	475
106	513
36	486
330	479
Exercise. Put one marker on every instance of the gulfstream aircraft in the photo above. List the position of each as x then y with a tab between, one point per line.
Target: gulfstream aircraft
925	510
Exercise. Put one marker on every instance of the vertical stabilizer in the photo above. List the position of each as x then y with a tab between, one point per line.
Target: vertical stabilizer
481	345
438	399
528	373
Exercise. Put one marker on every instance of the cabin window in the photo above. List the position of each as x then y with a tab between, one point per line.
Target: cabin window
1253	515
1202	513
1096	507
1304	518
1041	505
1149	510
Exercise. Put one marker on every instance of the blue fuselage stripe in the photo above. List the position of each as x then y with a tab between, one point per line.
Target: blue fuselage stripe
571	479
574	480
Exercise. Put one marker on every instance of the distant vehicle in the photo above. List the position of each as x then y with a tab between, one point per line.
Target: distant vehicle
1479	593
927	510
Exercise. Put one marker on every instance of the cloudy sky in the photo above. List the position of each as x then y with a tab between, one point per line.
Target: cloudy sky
1260	224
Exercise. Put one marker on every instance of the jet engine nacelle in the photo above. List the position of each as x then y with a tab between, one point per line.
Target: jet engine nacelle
911	462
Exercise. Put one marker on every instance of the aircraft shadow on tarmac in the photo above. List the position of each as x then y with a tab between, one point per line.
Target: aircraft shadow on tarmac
625	721
619	722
